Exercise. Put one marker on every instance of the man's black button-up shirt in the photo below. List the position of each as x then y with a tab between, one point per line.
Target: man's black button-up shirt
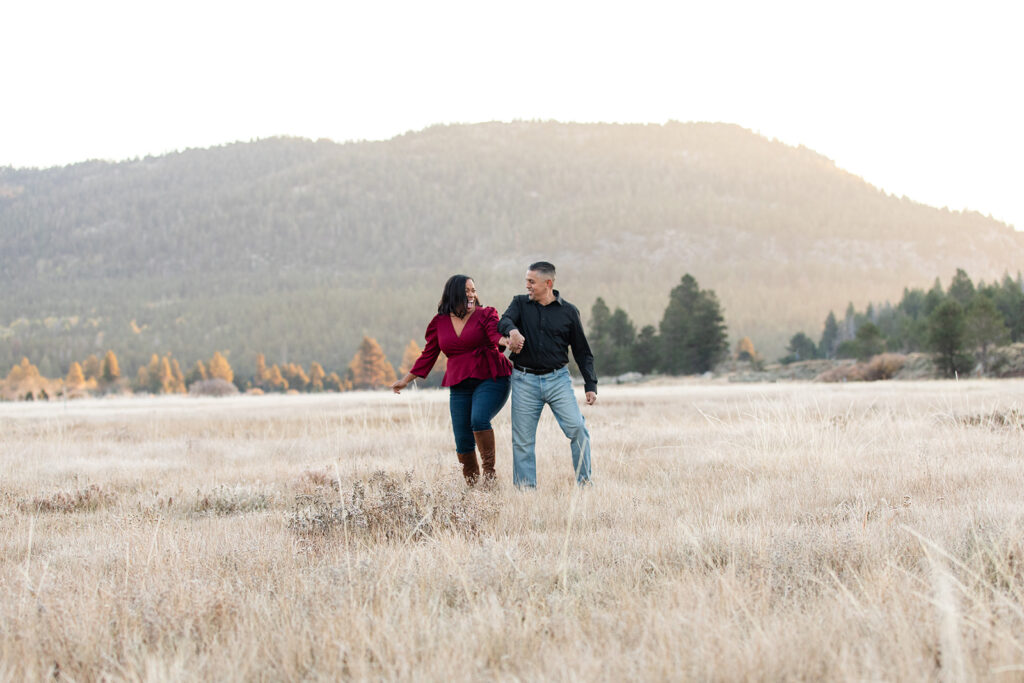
550	331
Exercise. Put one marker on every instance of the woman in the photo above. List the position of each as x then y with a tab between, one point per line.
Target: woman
477	375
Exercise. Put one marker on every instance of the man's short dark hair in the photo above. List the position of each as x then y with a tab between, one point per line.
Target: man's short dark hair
547	270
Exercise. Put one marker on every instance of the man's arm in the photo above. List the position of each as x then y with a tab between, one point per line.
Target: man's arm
584	358
510	318
509	325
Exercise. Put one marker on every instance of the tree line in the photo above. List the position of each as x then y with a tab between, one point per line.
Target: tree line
962	325
691	338
368	369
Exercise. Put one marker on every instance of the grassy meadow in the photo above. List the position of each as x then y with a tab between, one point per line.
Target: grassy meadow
733	532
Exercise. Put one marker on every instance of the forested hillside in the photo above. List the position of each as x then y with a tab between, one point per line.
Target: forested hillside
297	248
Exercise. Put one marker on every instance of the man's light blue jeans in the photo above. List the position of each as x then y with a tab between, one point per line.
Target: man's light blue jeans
529	394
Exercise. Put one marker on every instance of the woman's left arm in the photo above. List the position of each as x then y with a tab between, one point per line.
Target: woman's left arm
490	323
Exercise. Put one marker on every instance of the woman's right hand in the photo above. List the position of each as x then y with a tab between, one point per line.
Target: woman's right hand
399	385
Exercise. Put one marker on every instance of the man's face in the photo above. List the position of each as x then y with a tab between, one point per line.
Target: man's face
536	285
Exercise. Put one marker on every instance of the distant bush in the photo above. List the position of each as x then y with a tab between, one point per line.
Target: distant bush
212	387
882	366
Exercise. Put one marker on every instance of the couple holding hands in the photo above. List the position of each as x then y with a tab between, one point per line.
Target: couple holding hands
539	328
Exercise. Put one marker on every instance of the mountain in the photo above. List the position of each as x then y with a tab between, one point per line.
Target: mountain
297	248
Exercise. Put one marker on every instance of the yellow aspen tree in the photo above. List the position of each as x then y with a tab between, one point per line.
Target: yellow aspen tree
275	380
745	349
219	368
75	378
177	378
370	367
316	377
409	357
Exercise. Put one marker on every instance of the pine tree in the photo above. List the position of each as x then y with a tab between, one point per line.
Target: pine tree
110	370
946	336
961	289
693	333
869	341
409	357
829	337
985	329
801	347
333	382
219	368
196	374
295	376
369	367
646	351
92	368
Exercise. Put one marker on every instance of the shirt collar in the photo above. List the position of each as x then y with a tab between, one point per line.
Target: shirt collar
557	300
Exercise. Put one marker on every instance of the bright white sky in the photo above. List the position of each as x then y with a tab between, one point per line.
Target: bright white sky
919	98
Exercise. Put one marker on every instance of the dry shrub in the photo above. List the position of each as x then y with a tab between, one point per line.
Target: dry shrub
90	498
315	481
389	507
882	366
1013	418
212	387
231	500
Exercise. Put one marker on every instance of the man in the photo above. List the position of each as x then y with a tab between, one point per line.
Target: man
541	327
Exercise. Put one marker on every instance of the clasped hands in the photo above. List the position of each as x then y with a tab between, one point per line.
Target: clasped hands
516	341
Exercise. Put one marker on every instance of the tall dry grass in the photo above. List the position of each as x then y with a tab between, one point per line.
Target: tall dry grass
733	532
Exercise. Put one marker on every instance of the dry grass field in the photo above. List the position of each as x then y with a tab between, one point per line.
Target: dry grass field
734	532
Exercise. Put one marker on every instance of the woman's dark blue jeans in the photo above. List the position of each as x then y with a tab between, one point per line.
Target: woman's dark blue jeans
473	404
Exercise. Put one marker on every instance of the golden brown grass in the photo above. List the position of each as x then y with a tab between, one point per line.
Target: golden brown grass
733	532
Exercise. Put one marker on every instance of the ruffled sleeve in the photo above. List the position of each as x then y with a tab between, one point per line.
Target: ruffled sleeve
425	363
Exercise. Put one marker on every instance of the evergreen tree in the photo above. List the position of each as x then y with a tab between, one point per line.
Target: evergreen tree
829	337
606	361
1009	299
647	350
985	329
801	347
92	368
869	341
196	374
295	376
693	333
961	289
369	367
933	298
219	368
110	371
333	382
946	337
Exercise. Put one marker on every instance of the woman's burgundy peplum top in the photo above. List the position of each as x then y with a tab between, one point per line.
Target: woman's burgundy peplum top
474	353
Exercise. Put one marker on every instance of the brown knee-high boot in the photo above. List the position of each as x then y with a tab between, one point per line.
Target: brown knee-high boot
470	470
485	442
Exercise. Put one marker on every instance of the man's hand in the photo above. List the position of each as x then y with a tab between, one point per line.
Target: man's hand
591	398
516	341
